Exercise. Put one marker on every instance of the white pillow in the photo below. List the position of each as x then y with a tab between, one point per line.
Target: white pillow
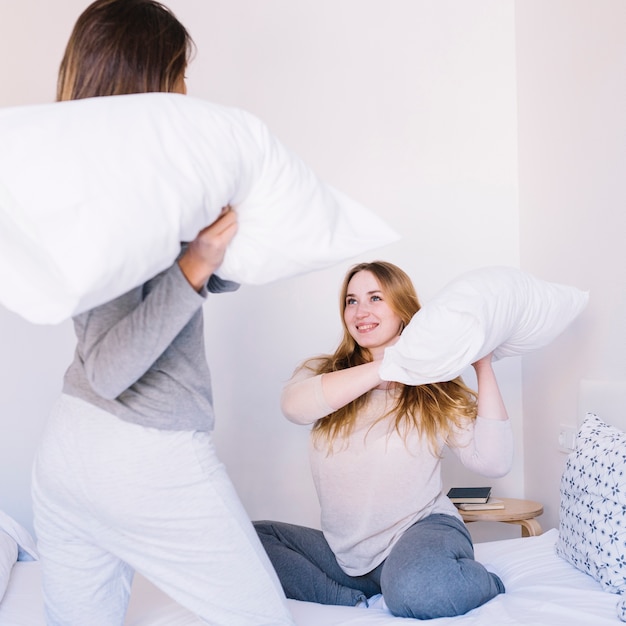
8	557
97	194
27	549
592	525
499	309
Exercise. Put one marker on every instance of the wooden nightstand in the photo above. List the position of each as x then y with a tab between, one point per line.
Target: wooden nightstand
521	512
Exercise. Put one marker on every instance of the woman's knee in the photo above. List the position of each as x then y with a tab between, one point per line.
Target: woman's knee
424	593
263	527
270	538
409	595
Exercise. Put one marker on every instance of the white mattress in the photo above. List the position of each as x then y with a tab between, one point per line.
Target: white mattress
542	590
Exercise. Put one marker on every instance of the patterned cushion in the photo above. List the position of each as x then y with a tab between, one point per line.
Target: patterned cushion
592	532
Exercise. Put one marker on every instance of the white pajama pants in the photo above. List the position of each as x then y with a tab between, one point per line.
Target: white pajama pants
111	498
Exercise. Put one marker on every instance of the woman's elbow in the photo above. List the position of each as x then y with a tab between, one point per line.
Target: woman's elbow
106	392
293	411
499	467
105	389
502	471
289	410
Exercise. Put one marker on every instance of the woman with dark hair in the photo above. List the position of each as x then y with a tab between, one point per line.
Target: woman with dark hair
376	447
126	476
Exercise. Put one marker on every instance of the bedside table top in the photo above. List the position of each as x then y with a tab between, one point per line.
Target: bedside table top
514	510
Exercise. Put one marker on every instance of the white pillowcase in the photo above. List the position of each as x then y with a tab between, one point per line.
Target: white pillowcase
97	194
27	549
15	542
493	309
8	558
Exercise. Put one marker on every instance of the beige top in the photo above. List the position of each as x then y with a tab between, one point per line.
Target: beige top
374	485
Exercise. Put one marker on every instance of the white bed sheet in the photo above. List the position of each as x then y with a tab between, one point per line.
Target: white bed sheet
542	590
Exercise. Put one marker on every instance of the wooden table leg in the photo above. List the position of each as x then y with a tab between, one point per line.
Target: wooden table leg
530	527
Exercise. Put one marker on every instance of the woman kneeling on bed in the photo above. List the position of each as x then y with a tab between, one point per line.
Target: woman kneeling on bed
126	477
387	526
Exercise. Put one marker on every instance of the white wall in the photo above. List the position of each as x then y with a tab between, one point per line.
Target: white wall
408	105
32	358
572	165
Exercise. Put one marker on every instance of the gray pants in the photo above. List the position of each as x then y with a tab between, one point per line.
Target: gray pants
430	572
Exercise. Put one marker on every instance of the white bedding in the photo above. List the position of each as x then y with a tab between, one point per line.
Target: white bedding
542	590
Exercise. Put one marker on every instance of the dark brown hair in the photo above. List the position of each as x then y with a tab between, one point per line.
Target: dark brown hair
123	47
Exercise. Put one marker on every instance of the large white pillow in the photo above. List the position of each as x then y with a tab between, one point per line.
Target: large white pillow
8	558
97	194
492	309
592	520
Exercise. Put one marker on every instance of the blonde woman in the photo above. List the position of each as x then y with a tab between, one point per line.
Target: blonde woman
387	526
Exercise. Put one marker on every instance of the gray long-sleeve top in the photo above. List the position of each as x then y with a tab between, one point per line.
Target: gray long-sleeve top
142	358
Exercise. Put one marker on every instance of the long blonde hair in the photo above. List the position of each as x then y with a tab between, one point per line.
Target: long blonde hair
433	410
122	47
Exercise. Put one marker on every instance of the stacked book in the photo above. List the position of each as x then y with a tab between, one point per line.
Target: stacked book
474	499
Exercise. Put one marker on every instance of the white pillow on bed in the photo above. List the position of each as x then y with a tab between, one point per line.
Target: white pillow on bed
27	549
592	527
97	194
492	309
8	558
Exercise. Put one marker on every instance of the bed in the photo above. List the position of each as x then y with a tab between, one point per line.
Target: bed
546	584
543	589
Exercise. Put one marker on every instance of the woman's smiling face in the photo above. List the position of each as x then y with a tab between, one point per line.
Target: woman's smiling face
369	319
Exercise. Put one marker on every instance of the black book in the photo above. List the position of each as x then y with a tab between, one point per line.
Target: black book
469	494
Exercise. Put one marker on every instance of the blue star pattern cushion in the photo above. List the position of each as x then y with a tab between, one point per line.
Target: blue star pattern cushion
592	529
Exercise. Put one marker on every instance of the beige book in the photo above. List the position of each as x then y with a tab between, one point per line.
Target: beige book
481	506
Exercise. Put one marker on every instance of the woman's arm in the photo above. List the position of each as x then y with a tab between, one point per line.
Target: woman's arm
344	386
490	402
206	252
121	340
486	445
307	397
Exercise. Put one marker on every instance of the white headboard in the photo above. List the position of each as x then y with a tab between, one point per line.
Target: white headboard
605	398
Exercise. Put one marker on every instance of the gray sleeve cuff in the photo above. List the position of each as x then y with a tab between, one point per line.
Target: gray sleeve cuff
220	285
